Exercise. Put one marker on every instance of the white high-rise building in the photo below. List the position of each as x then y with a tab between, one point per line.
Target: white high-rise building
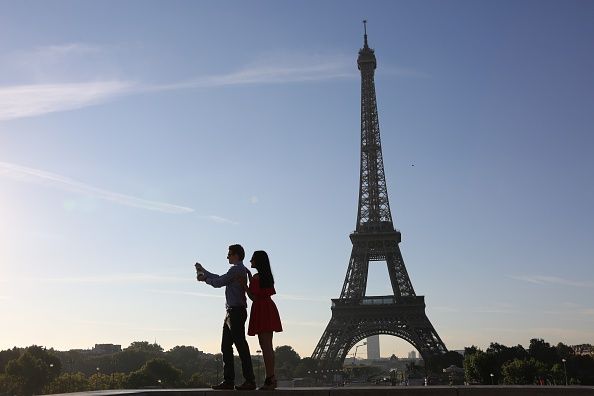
373	347
412	355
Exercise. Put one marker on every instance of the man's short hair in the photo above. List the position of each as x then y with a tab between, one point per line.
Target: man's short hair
238	250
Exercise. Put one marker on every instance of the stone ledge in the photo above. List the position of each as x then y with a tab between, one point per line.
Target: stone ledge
365	391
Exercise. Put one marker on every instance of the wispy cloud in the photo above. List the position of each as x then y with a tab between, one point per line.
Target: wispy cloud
210	295
128	325
102	323
221	220
402	72
498	308
32	100
489	310
59	62
112	278
66	49
294	297
46	58
303	323
445	309
37	99
38	176
551	280
571	309
559	333
319	70
185	293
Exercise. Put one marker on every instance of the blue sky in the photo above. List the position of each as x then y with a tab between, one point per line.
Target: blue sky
139	137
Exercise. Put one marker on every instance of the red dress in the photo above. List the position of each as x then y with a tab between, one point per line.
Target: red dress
264	317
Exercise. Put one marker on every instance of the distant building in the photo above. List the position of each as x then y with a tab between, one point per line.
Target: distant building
583	349
412	355
106	349
373	347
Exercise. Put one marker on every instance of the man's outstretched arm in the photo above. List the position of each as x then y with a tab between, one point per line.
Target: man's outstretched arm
220	280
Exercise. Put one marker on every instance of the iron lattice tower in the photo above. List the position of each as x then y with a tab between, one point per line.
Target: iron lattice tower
354	315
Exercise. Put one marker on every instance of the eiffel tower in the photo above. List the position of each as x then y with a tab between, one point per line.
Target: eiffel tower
354	315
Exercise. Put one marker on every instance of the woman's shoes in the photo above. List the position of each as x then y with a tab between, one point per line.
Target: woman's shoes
269	383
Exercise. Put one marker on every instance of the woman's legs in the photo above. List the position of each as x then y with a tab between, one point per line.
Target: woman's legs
267	352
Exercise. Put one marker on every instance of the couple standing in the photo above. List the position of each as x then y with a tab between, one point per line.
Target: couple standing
264	317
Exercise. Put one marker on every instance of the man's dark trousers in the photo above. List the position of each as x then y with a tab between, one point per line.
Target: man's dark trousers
234	333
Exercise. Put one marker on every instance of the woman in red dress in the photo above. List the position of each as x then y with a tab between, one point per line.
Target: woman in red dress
264	317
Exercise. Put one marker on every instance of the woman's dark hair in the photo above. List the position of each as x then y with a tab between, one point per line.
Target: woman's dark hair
262	264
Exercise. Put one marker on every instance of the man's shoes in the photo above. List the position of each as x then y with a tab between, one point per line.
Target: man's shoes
247	385
269	384
223	386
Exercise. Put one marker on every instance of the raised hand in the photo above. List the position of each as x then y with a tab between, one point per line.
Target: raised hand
199	270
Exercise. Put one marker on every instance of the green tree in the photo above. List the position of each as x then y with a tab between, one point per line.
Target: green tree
138	379
29	372
503	353
523	372
543	351
580	370
437	363
470	350
478	367
8	355
286	361
187	358
100	381
305	367
67	383
564	351
145	346
118	380
557	374
130	360
155	372
197	380
9	385
32	370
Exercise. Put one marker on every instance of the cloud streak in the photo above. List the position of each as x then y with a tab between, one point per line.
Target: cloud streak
324	69
127	325
305	324
551	280
199	294
32	100
293	297
112	278
20	101
186	293
32	175
221	220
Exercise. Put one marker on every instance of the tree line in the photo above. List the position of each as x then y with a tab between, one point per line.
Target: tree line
541	364
37	370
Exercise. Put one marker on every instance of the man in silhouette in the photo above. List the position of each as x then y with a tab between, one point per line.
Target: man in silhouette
234	324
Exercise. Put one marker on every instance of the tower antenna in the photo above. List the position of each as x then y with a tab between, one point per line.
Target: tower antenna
365	30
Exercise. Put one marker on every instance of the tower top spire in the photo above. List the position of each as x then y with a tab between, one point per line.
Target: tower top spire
365	30
366	55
